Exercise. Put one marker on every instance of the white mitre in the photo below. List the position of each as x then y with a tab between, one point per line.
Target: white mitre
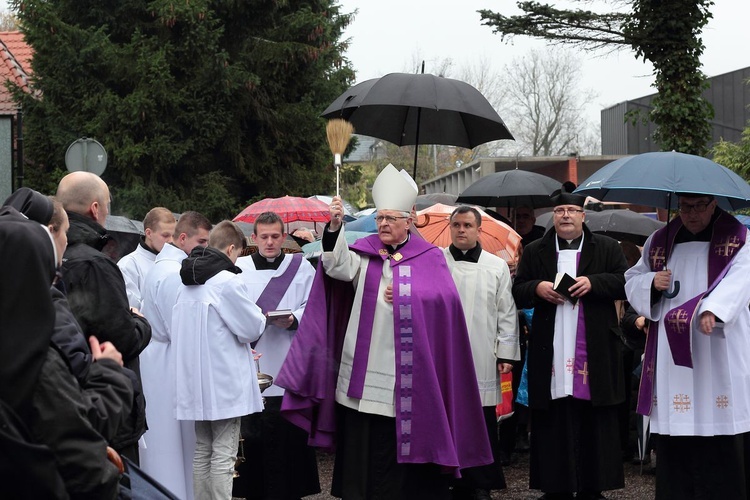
394	190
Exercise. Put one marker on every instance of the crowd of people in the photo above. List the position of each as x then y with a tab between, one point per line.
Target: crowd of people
391	354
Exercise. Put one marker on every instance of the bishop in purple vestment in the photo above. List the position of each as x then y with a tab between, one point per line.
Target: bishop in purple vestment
392	385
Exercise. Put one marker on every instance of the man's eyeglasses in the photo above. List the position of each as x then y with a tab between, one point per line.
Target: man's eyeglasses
389	219
563	211
698	208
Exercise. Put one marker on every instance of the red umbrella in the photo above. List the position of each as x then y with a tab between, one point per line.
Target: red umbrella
289	208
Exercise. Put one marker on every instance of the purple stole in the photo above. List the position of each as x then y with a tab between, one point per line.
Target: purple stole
727	238
403	337
277	286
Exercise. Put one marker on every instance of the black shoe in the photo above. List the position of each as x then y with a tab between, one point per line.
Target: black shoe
480	494
522	442
590	495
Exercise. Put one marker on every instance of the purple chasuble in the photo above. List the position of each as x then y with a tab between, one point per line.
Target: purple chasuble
277	286
438	410
727	237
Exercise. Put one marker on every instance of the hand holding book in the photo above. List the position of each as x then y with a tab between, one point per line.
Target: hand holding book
563	283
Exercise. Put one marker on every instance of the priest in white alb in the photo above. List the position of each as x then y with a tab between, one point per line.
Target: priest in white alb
279	463
695	382
484	284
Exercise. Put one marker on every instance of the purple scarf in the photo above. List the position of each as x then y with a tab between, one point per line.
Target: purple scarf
438	409
727	237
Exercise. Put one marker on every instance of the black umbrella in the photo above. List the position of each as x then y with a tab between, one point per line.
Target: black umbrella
414	109
427	200
511	188
622	225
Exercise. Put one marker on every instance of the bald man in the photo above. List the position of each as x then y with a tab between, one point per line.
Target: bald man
96	290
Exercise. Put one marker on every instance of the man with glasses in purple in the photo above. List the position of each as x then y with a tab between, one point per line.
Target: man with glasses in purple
696	376
574	365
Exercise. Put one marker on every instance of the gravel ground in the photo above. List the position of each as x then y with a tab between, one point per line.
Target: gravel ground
637	487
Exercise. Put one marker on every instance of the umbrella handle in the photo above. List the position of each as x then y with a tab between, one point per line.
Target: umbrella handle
674	292
337	162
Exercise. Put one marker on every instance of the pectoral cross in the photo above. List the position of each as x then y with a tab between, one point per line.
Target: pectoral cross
727	248
678	320
656	255
584	372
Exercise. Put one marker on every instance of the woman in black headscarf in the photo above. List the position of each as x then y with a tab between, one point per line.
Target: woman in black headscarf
27	256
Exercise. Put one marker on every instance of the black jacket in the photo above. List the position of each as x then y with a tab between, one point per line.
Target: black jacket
96	295
603	262
59	421
105	385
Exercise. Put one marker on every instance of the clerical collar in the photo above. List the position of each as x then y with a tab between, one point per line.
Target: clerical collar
396	248
264	263
470	255
146	247
569	245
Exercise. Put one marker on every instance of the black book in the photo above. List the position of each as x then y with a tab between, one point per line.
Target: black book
563	281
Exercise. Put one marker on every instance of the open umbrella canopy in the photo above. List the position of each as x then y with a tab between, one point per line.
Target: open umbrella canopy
652	179
622	225
364	224
496	237
427	200
289	208
442	110
511	188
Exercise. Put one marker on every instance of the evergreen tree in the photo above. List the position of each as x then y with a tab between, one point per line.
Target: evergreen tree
665	33
201	104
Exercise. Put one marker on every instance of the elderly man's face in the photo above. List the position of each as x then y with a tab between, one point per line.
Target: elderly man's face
568	221
524	220
696	213
393	226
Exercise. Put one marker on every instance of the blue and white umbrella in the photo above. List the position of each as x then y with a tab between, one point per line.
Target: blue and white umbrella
652	179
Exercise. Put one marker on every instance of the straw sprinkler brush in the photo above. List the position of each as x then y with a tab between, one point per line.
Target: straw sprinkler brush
339	132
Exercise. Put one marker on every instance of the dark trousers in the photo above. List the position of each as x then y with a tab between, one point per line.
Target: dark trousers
366	465
575	447
701	467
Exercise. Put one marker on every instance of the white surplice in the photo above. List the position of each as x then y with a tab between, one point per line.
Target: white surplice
170	444
380	379
487	299
135	266
213	325
274	343
712	398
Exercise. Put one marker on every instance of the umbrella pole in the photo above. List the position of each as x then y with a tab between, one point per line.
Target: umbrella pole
416	145
669	294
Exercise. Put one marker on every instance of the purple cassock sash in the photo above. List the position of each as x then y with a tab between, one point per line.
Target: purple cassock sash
438	410
277	286
727	237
